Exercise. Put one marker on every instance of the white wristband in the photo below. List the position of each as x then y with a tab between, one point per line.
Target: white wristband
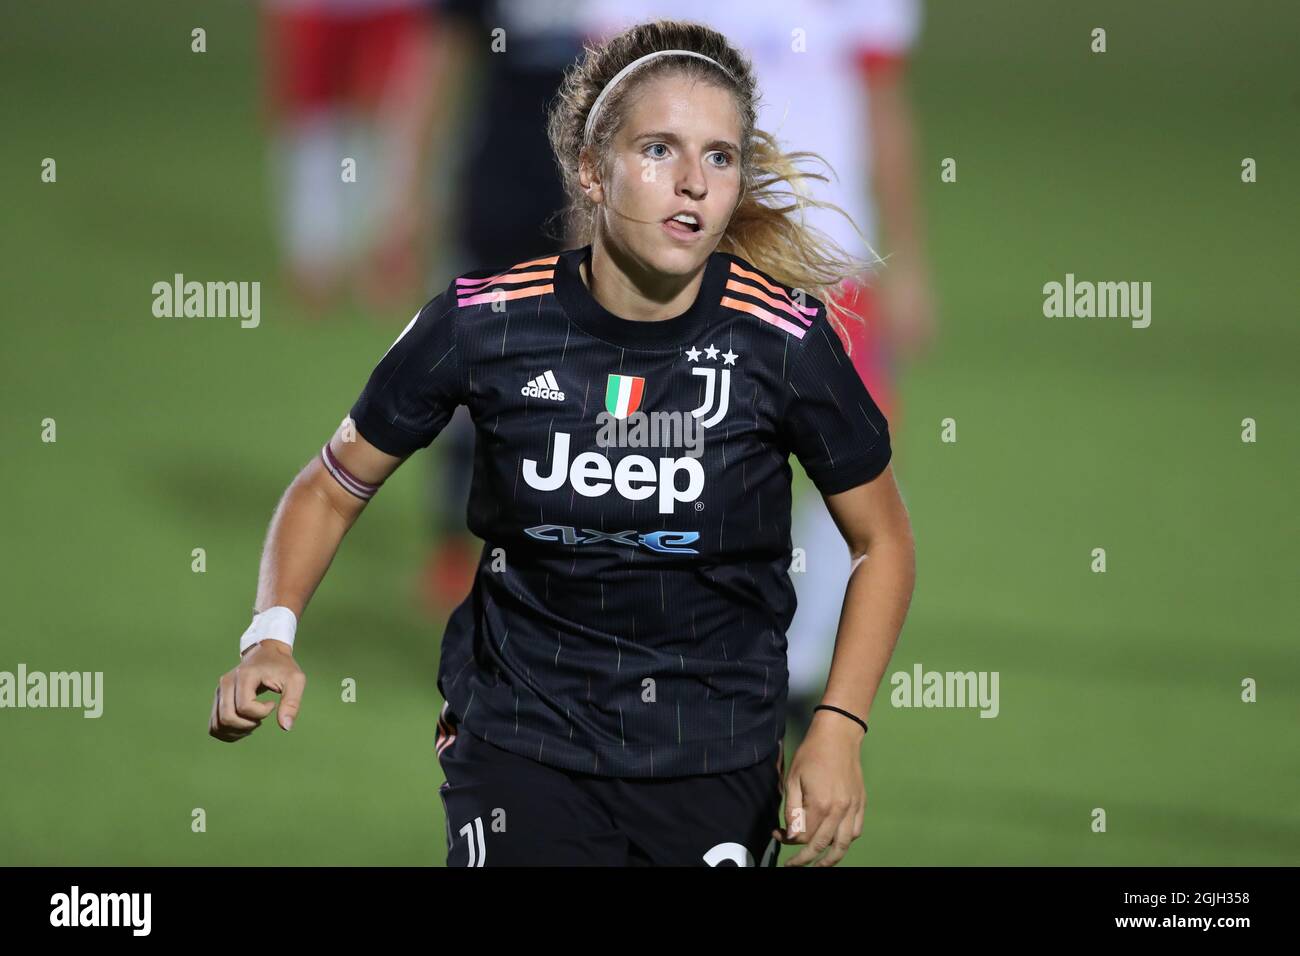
277	623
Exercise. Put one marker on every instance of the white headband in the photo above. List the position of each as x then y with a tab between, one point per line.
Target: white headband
600	100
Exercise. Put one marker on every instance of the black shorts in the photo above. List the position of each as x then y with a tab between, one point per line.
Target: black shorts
503	809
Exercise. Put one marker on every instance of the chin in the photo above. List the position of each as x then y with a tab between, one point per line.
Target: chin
670	258
658	254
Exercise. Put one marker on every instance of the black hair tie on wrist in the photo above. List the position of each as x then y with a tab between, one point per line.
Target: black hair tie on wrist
837	710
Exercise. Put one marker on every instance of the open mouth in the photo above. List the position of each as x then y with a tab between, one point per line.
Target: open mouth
683	224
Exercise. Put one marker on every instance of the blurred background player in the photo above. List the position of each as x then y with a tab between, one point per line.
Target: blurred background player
503	205
350	79
832	76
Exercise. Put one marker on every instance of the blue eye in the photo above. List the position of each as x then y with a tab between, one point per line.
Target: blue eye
726	158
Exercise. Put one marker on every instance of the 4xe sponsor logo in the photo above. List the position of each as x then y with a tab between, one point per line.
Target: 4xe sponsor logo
665	542
635	477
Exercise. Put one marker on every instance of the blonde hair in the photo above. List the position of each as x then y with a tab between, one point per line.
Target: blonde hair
768	227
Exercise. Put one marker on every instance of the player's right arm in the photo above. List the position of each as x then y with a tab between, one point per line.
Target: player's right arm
315	512
409	398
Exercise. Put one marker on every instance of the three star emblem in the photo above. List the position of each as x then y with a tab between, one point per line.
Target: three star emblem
728	357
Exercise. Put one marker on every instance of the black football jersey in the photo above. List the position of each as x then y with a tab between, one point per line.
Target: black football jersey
632	487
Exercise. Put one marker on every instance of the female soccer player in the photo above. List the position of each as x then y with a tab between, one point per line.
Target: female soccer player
615	684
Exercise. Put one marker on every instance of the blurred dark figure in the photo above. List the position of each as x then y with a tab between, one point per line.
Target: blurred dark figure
505	204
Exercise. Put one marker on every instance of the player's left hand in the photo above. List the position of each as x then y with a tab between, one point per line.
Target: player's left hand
824	794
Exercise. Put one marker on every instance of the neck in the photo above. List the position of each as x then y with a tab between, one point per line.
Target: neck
630	291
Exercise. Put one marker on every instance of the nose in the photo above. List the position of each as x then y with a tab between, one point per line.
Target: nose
691	181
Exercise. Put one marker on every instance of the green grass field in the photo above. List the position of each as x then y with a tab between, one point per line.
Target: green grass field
1118	690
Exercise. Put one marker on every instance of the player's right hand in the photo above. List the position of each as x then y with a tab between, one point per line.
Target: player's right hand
236	711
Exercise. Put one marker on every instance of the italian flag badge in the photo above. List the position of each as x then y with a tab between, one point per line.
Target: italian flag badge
623	394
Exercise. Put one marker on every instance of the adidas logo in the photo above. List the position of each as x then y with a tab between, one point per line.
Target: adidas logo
544	386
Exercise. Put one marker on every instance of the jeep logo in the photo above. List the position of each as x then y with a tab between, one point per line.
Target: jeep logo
635	477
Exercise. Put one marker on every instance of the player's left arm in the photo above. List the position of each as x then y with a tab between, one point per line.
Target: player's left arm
826	773
876	527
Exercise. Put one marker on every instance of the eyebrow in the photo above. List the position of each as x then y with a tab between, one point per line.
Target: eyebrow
674	138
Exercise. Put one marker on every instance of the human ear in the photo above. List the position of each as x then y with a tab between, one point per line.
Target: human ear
589	178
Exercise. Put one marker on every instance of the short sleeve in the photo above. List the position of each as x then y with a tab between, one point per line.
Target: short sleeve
831	423
415	388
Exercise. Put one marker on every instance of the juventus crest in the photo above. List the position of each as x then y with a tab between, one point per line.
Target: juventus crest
717	384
